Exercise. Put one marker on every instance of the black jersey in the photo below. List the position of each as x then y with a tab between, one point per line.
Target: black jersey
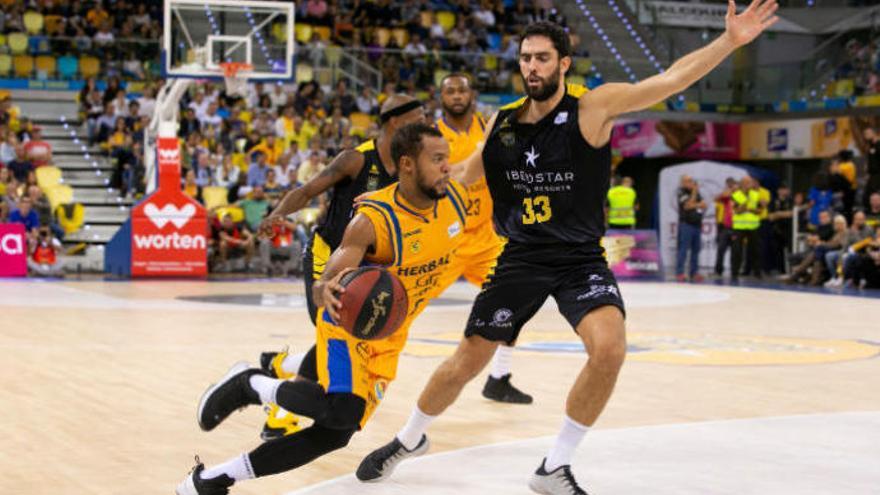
372	177
547	183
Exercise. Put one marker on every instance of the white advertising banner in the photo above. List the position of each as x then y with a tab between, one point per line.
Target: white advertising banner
699	15
710	176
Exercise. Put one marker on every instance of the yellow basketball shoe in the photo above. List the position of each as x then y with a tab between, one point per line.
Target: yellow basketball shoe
279	423
271	363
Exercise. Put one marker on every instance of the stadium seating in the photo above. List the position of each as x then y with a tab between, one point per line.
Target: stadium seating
22	65
48	177
214	197
18	43
5	64
33	22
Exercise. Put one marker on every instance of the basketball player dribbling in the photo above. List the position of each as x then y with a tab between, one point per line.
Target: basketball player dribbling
547	161
412	228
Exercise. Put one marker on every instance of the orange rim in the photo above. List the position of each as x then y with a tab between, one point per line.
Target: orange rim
230	69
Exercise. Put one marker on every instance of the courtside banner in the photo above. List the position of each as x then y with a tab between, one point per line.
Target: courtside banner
633	254
169	231
13	250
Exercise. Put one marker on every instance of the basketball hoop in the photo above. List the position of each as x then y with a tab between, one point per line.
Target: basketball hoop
236	83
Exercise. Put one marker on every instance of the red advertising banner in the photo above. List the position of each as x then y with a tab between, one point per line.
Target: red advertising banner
169	230
13	250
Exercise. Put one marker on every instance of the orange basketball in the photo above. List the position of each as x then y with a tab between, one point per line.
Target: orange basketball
374	304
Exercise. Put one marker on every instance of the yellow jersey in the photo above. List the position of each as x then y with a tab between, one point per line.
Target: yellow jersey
418	247
462	143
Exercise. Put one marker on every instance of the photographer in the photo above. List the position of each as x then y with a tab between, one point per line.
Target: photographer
43	260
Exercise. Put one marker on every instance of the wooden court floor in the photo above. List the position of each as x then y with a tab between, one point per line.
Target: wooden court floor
101	379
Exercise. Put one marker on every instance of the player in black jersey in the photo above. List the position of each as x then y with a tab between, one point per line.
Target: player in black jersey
368	167
547	161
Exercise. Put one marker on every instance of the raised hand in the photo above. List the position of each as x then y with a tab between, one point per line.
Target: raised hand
745	27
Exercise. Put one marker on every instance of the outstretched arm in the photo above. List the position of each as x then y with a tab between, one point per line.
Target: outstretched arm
346	165
600	107
358	237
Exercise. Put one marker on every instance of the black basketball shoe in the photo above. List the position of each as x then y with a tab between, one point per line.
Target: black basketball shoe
380	463
501	390
232	392
193	484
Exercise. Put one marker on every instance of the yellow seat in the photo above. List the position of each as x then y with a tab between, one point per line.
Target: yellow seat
490	62
304	72
401	36
439	74
54	24
33	22
18	43
215	197
383	36
89	66
576	79
323	32
236	213
48	177
279	32
446	20
45	66
582	66
23	65
58	194
324	77
360	120
303	33
5	64
333	54
71	216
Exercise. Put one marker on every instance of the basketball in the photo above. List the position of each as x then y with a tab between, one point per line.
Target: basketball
374	303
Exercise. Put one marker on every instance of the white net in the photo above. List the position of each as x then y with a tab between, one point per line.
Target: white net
235	77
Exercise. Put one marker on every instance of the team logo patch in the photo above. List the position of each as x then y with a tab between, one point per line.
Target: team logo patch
454	230
561	118
379	389
532	158
507	138
501	318
415	247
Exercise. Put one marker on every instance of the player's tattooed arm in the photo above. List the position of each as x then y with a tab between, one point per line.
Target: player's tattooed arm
346	165
359	236
472	168
599	108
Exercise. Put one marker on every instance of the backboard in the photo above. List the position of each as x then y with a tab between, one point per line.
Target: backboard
201	34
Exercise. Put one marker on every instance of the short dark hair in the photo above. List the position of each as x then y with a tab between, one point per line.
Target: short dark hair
407	141
549	30
462	75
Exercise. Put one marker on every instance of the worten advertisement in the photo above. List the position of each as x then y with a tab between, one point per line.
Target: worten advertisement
13	250
169	231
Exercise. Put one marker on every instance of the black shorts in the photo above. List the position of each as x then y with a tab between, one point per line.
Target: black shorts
578	278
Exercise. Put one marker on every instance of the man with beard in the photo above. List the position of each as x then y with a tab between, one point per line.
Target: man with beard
547	161
464	129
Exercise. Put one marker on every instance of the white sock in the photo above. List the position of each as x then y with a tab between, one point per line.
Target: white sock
411	434
238	468
292	362
265	387
569	437
501	361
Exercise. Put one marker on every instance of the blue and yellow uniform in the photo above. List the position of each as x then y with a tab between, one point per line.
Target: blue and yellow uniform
476	256
417	246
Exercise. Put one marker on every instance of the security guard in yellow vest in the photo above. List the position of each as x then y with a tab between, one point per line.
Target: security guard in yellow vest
622	205
746	220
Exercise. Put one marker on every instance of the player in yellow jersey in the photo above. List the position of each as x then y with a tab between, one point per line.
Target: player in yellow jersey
464	129
412	228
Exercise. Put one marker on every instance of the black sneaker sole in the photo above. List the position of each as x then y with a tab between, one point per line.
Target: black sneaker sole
232	373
